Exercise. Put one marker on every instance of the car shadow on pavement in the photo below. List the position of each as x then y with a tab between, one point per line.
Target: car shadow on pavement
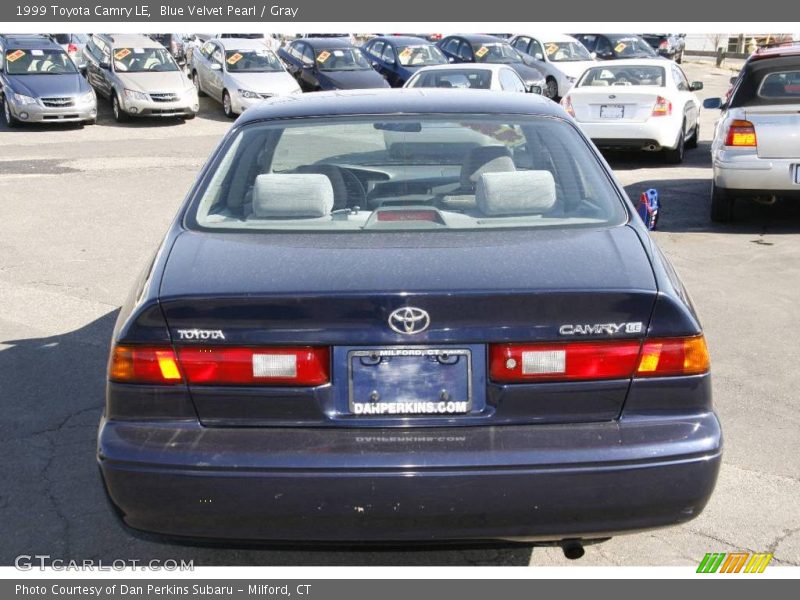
54	503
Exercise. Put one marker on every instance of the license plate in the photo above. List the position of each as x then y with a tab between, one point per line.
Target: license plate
612	111
410	381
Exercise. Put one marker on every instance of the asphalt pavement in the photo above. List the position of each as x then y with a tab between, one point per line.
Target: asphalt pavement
81	211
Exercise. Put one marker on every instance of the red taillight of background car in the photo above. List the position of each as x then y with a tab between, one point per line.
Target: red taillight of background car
198	365
582	361
72	49
741	134
663	45
566	102
662	107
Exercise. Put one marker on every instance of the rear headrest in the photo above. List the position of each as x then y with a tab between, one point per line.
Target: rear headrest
515	193
292	196
485	159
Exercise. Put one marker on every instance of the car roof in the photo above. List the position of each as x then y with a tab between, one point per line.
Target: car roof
479	38
404	101
241	43
633	62
331	42
133	40
403	40
549	37
494	67
785	49
29	41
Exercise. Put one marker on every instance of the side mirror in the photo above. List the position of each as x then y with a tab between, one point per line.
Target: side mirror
538	56
733	79
83	69
696	86
712	103
451	59
104	64
215	66
593	55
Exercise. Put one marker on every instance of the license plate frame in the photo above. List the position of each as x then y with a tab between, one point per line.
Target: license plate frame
457	383
612	111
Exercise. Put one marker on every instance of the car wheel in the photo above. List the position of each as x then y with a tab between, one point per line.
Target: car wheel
552	88
721	205
227	105
10	120
692	141
120	116
674	156
196	82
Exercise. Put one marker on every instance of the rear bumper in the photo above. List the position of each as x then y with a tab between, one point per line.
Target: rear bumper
538	483
662	133
746	172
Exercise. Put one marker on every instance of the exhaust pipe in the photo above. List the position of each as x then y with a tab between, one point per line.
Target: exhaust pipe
651	148
573	549
766	200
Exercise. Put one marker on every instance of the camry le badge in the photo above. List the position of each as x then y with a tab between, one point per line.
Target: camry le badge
409	320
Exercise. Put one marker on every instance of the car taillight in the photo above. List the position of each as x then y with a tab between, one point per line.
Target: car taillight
673	356
255	366
663	45
581	361
741	133
306	366
565	361
662	108
138	364
72	49
566	102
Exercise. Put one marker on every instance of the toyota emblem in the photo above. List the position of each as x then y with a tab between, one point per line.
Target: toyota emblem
409	320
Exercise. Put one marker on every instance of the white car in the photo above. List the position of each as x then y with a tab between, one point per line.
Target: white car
239	72
483	76
635	104
756	147
562	58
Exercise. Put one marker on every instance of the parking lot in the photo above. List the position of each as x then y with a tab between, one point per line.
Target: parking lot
82	210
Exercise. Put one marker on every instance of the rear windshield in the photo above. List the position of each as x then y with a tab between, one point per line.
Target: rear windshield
769	81
407	173
475	79
38	62
623	76
783	85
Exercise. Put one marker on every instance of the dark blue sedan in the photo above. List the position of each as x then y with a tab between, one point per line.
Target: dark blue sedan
397	58
329	63
408	315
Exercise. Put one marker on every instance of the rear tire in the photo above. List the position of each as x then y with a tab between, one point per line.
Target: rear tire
692	141
227	105
674	156
196	82
721	205
120	116
11	121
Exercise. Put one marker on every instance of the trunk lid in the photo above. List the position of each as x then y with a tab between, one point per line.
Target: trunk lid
595	104
339	291
777	130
